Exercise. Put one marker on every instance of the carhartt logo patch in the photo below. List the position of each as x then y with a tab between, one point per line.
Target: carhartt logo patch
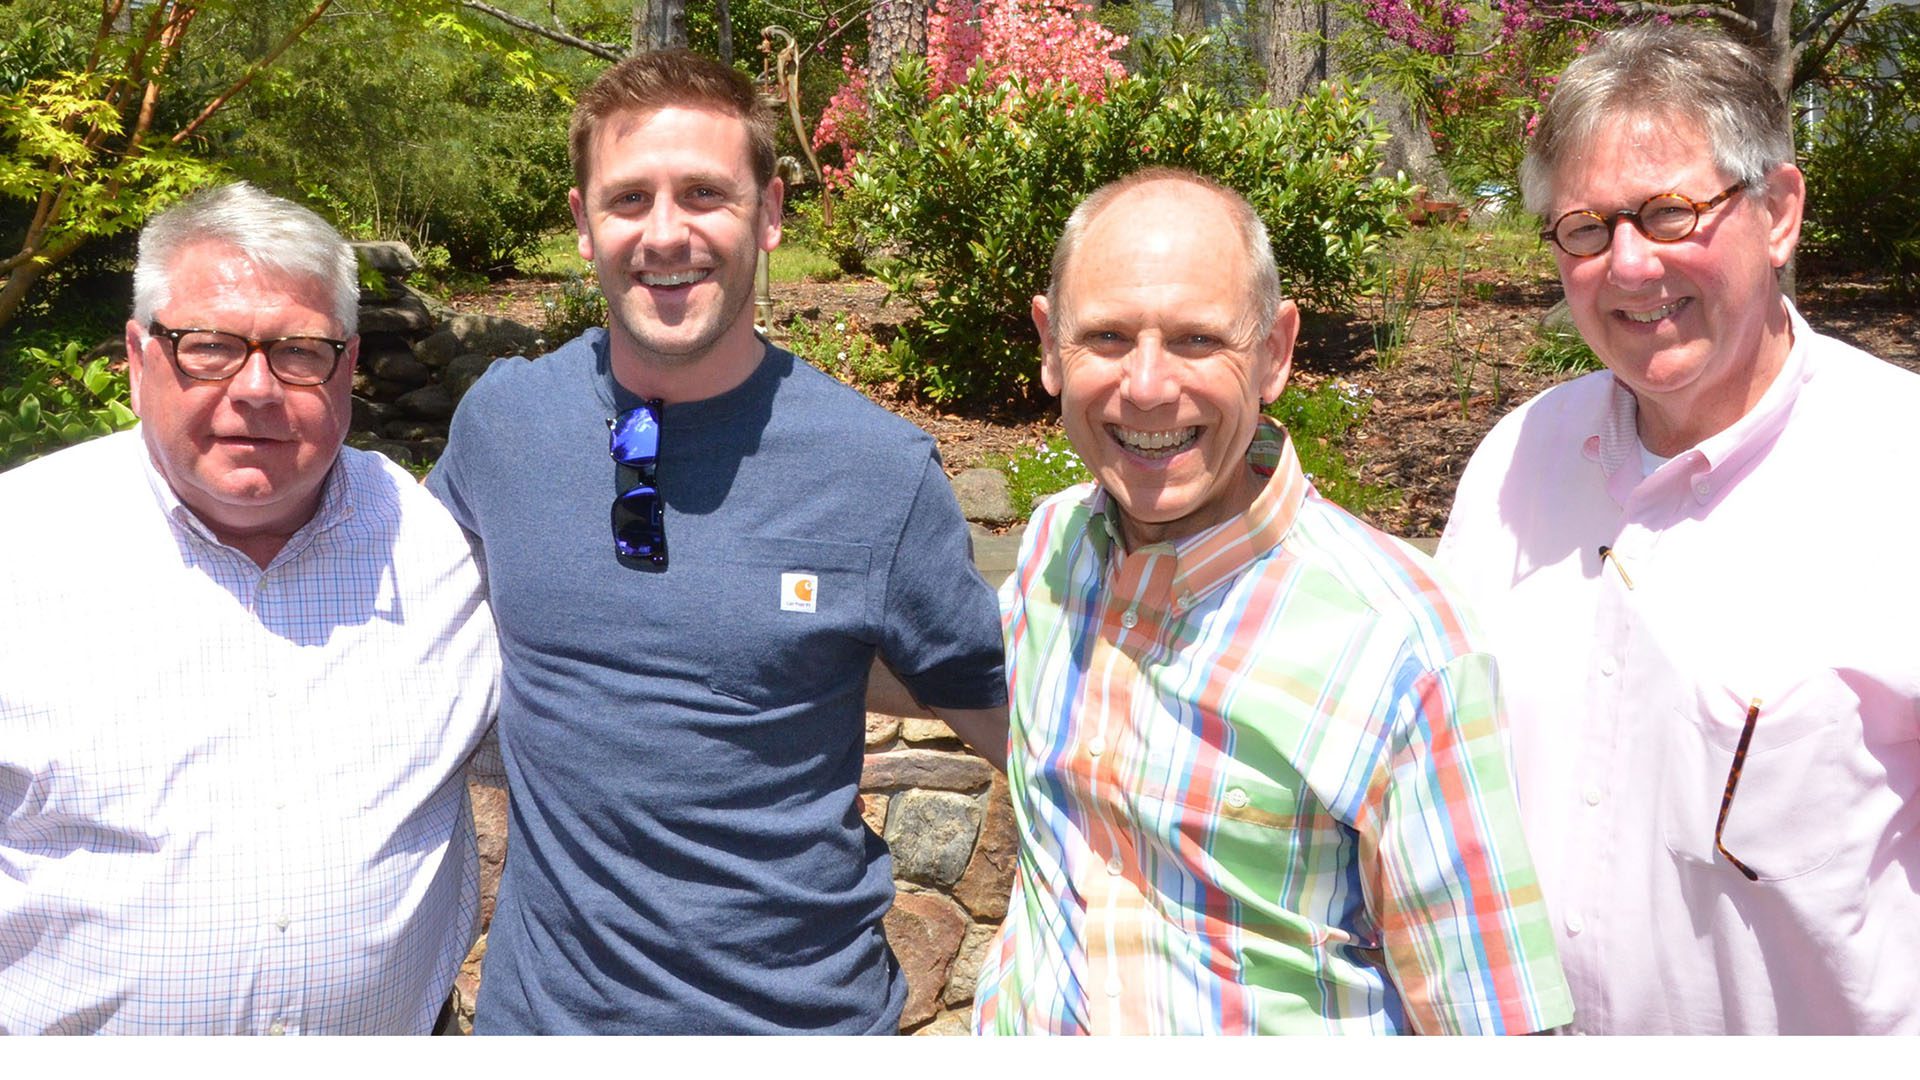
799	592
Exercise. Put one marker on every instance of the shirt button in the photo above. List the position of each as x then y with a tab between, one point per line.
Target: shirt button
1575	924
1113	986
1130	619
276	1028
282	922
1592	795
1186	600
1703	489
1115	866
1236	798
1606	665
1096	746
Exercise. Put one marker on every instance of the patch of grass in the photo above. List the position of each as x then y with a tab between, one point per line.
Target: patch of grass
1559	350
556	256
841	347
1319	421
1039	471
1509	247
794	260
1397	296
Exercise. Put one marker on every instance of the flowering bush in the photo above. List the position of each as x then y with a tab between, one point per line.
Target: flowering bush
1032	41
976	185
1478	69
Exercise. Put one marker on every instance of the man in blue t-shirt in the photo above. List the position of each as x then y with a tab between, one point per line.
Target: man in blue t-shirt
689	608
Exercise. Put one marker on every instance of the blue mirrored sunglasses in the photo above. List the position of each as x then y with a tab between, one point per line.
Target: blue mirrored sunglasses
639	523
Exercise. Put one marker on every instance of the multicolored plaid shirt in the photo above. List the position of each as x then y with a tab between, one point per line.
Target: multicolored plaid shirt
1261	782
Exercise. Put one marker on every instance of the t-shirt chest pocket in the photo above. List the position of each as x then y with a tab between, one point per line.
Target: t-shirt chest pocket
785	618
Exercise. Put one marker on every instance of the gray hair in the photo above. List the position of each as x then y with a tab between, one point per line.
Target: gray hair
274	234
1681	73
1264	278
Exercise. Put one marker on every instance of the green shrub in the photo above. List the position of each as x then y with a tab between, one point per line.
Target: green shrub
1862	205
1319	421
1039	471
49	399
972	189
843	349
572	309
1560	350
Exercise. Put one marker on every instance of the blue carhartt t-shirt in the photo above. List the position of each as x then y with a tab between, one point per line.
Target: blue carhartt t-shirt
683	748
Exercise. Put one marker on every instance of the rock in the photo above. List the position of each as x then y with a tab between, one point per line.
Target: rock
370	415
492	335
490	824
413	430
936	769
398	452
437	349
463	372
949	1025
926	729
984	886
931	834
881	729
402	314
965	972
400	369
393	259
873	811
925	931
427	403
983	496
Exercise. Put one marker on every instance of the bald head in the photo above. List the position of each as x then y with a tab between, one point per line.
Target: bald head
1152	194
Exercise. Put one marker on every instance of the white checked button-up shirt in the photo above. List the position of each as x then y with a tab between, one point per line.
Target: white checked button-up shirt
1774	561
233	799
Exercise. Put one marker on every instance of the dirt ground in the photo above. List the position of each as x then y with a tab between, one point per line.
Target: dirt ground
1459	371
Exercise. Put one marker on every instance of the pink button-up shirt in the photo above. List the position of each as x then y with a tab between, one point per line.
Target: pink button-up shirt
1774	561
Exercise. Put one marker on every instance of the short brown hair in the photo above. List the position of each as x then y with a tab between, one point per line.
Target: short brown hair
651	81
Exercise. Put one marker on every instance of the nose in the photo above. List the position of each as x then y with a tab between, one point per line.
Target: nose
1632	259
1147	374
255	382
667	227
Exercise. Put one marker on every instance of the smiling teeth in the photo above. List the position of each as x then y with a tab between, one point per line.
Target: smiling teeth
1656	314
684	277
1154	443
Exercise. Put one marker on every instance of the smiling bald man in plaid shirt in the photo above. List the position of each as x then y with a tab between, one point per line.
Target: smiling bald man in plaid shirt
1257	761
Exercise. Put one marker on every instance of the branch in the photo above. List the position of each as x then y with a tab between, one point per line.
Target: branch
1712	11
170	38
604	52
1807	58
259	66
1820	18
109	11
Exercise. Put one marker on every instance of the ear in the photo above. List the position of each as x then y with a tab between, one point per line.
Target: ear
136	363
772	207
577	203
1786	202
1279	348
1049	349
350	359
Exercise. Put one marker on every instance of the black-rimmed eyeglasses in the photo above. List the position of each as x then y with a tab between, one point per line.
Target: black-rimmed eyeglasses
639	520
214	355
1666	218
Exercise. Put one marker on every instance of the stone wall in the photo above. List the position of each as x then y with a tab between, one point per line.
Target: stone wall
417	357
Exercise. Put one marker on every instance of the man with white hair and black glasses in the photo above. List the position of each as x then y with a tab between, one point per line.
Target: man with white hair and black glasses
1696	571
242	673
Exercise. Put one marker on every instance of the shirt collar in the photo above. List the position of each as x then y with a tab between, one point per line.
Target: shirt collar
1215	556
336	500
1617	441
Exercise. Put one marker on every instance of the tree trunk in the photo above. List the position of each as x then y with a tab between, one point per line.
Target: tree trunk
1294	48
659	24
1189	16
1409	146
723	30
895	29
